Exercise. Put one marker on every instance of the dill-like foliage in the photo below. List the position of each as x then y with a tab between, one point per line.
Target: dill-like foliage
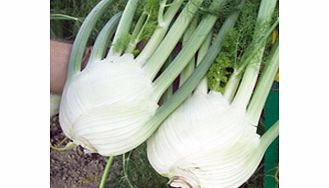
233	47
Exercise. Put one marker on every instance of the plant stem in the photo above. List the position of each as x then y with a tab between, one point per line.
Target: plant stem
251	74
169	42
160	31
203	86
64	17
170	90
248	82
232	86
269	136
124	166
123	27
106	172
139	24
185	55
68	146
81	39
103	38
161	11
61	142
133	41
234	81
264	86
138	32
188	70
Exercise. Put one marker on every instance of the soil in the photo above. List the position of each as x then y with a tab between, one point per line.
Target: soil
72	168
75	169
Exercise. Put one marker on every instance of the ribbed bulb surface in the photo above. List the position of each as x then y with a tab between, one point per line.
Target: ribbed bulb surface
206	143
104	108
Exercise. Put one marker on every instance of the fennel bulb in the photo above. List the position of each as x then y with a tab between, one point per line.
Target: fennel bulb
94	100
206	142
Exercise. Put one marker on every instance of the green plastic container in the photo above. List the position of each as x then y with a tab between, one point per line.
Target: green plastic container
271	159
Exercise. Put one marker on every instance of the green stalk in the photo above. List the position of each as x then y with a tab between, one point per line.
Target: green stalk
123	27
106	172
64	17
68	146
161	11
137	29
269	136
124	166
103	38
81	39
203	86
232	85
251	74
170	91
185	55
139	24
188	70
264	86
157	36
204	48
167	108
169	42
234	81
265	141
137	32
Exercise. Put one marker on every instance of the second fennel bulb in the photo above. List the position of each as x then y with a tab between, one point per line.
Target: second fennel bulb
206	143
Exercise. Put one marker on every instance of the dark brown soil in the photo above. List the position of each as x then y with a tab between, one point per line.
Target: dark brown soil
72	168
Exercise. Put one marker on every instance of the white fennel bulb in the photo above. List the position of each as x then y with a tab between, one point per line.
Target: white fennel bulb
206	143
114	92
